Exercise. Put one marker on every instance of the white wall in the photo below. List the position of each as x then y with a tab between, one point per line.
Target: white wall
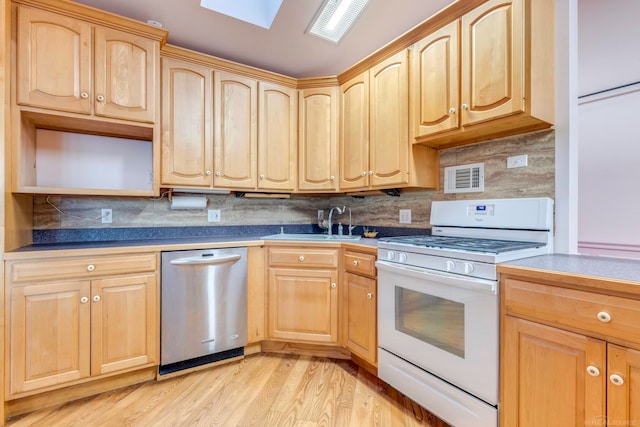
609	138
608	34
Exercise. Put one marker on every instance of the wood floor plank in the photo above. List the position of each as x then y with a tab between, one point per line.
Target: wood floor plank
270	390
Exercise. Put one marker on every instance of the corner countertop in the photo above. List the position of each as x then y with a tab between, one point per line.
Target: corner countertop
603	273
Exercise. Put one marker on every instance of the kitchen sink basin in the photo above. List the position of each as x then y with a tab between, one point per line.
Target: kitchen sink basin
311	237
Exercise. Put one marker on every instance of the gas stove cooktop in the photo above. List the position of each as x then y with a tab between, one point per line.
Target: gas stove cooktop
469	244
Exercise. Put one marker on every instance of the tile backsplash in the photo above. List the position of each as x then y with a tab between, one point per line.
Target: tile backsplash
536	180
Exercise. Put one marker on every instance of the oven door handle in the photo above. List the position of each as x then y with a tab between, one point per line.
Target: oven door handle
482	285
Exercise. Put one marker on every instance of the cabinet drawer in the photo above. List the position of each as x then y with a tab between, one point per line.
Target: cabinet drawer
359	263
303	257
609	316
69	268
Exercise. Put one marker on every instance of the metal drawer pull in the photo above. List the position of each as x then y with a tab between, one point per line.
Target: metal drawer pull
84	300
333	285
593	371
369	295
91	267
605	317
616	379
300	258
355	262
96	298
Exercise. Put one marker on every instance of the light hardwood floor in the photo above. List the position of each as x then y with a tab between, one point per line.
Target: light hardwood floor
261	390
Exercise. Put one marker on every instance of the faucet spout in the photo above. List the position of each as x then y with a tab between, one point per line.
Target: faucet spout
330	223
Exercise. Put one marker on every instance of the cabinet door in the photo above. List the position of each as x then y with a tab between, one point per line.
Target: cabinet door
435	81
277	137
235	146
354	133
360	316
318	122
49	335
389	139
54	61
303	305
623	397
187	124
126	70
124	323
544	376
492	61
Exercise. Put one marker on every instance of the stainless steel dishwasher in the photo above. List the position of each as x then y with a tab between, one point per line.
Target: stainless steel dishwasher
204	307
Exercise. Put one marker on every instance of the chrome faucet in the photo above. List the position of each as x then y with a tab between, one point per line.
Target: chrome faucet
330	224
340	212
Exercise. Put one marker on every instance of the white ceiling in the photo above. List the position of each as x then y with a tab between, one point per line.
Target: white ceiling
285	48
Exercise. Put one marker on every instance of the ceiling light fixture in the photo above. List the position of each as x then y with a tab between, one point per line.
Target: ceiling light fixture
336	17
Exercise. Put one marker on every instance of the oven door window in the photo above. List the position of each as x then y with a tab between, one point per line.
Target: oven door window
431	319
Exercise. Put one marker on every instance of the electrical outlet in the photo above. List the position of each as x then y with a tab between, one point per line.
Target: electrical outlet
405	216
106	216
517	161
213	215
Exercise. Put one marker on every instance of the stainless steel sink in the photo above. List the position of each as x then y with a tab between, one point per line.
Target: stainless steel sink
311	237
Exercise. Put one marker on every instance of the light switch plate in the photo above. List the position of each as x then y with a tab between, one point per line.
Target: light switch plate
405	216
517	161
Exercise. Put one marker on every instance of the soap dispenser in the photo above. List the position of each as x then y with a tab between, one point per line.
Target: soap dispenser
340	231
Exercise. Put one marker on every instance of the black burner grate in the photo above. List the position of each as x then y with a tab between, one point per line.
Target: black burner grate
463	243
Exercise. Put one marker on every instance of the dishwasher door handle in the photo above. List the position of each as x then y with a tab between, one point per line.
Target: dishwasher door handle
206	260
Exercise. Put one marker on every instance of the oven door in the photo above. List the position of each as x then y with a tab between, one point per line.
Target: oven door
443	323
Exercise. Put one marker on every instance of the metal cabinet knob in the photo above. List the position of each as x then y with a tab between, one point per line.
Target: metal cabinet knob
370	172
218	173
96	298
100	98
84	95
261	176
355	262
593	371
84	300
207	173
464	106
332	178
364	173
604	317
301	258
333	285
369	295
452	110
91	267
616	379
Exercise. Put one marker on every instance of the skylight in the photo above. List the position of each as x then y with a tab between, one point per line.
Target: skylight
336	17
256	12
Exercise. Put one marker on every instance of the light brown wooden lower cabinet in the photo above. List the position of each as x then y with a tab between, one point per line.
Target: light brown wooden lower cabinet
61	332
303	305
578	376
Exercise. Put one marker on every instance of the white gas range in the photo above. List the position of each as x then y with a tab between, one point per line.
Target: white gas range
438	303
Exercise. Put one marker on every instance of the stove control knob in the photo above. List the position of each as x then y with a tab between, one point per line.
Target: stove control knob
402	257
391	255
468	268
451	266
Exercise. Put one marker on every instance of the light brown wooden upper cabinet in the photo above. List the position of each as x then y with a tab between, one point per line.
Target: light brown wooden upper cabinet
486	75
187	124
235	148
318	139
61	66
375	150
255	134
277	137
